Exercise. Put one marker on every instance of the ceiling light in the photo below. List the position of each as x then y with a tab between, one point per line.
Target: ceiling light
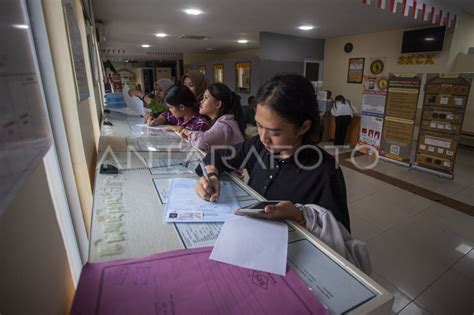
145	46
21	26
429	39
242	41
161	35
193	11
306	27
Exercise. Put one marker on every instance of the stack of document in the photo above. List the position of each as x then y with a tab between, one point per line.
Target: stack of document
187	282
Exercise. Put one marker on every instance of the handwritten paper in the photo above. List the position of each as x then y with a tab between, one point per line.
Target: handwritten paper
184	205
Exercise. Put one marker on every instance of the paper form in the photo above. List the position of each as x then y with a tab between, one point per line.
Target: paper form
162	186
184	205
162	134
164	145
187	282
254	244
150	127
334	287
134	120
195	235
172	166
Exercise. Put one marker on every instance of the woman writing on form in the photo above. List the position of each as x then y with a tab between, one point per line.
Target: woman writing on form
283	161
182	111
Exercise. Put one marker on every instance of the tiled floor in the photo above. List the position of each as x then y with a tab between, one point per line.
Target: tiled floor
421	250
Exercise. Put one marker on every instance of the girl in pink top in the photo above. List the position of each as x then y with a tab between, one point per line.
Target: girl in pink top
223	107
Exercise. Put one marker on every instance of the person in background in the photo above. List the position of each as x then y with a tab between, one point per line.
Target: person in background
249	118
249	111
323	108
183	113
223	107
343	112
284	161
196	82
155	102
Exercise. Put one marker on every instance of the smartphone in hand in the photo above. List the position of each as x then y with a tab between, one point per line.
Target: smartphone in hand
257	207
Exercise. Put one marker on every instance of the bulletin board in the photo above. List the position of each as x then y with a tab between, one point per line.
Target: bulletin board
399	119
444	105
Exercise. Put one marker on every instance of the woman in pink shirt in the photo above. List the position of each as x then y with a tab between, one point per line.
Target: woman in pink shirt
223	107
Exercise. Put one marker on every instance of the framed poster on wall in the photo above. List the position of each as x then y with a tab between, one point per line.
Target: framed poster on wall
75	43
219	73
202	69
242	77
355	71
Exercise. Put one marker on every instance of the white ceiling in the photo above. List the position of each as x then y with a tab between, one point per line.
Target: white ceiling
128	24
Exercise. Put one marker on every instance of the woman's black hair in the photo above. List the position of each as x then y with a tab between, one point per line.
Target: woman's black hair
293	97
179	94
340	98
230	103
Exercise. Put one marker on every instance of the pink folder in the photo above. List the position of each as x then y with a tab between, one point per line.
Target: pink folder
187	282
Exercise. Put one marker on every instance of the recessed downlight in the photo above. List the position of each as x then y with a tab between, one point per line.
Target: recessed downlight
146	46
193	11
161	34
21	26
242	41
306	27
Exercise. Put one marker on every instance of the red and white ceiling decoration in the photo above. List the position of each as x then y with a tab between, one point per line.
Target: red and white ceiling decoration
423	10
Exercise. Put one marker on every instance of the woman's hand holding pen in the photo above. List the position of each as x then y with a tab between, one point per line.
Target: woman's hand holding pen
184	134
209	190
151	121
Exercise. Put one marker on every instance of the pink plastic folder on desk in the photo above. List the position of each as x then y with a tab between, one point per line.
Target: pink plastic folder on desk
187	282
